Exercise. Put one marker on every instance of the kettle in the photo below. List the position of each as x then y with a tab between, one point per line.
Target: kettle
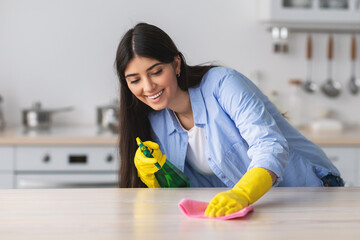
2	119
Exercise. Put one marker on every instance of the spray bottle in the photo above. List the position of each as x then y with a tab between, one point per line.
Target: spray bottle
168	175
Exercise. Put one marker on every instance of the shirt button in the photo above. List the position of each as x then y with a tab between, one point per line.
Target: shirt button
209	159
223	176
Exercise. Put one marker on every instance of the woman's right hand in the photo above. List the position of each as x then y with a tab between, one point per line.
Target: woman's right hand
146	166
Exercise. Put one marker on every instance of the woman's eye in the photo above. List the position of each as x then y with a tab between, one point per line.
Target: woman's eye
157	72
134	81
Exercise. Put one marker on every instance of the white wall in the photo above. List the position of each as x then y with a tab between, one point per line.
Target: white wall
61	52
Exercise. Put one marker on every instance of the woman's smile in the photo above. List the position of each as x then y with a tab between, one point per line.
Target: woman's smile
155	96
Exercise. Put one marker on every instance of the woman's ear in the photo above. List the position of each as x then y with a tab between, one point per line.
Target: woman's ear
177	64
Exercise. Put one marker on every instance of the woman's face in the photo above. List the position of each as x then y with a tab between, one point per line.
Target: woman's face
153	82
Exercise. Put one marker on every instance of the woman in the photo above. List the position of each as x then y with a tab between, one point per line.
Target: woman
212	123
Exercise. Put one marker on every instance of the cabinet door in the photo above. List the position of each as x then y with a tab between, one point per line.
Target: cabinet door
344	158
6	167
6	180
6	158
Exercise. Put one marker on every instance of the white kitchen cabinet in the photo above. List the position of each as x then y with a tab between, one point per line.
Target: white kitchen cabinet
58	166
6	158
65	157
6	180
6	167
346	159
311	14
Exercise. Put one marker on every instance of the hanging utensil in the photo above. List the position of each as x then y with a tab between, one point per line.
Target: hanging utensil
275	32
309	86
354	83
331	88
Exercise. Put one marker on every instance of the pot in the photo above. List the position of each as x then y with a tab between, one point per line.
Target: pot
38	118
108	116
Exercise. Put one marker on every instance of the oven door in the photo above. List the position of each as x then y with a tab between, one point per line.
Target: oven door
66	167
66	180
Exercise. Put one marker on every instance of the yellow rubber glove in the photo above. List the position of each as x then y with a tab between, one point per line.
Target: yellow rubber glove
253	185
146	166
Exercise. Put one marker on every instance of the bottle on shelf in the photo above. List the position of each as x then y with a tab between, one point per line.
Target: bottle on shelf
295	108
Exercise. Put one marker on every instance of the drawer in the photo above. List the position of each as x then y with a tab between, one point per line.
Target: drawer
345	159
6	158
70	158
66	180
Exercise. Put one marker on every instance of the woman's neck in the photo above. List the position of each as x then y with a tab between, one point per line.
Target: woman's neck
182	109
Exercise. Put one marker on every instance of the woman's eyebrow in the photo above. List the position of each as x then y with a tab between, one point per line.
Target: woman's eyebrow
130	75
156	64
151	67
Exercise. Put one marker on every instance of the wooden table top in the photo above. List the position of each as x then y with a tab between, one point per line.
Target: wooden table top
283	213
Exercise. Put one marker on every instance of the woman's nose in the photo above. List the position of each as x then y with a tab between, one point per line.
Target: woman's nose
149	85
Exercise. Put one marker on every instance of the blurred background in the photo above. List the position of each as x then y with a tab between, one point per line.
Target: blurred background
61	52
58	57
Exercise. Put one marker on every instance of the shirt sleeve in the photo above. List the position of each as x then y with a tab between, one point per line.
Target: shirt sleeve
244	103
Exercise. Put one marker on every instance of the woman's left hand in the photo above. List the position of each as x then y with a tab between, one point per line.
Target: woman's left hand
255	183
225	203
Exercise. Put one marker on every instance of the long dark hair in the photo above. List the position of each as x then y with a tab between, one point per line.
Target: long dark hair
149	41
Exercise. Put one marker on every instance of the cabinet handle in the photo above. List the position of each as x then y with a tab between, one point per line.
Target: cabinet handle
46	158
109	158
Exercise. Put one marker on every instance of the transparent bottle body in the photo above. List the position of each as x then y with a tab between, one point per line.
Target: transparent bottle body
170	176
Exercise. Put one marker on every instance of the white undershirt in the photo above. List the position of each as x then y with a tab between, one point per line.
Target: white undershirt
196	150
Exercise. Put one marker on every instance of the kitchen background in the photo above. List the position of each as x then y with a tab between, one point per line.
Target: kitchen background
61	52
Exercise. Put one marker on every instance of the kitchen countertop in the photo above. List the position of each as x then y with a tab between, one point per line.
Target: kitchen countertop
64	135
349	136
283	213
90	135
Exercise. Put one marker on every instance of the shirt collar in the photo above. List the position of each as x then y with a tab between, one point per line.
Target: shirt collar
174	125
198	108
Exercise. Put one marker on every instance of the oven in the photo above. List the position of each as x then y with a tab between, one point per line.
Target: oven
66	167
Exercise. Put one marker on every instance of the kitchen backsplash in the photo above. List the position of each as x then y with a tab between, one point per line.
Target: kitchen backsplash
62	53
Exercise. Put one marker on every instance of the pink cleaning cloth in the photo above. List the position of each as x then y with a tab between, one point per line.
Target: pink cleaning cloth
196	209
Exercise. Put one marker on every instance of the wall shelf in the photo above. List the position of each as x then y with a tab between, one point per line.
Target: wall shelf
341	16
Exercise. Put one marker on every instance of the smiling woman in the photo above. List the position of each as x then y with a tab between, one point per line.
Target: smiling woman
212	123
153	75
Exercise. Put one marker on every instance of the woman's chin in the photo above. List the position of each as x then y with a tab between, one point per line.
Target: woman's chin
157	107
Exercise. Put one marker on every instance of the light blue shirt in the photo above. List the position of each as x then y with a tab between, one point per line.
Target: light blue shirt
243	129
